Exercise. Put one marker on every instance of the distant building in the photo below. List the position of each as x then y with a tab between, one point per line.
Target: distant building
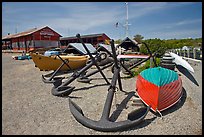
94	39
43	37
129	45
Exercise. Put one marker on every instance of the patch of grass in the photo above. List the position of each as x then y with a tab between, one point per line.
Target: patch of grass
139	69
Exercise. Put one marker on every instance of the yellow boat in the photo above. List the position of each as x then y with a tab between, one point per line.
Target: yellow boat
46	63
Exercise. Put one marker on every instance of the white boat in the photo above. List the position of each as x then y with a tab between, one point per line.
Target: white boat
179	61
132	56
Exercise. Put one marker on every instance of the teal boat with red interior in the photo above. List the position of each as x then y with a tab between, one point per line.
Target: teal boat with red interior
22	57
159	88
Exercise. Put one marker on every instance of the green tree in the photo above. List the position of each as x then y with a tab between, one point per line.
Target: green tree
138	38
118	41
154	45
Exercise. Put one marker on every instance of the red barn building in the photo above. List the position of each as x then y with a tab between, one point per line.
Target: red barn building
43	37
94	39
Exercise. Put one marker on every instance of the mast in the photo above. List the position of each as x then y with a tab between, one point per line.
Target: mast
126	25
126	22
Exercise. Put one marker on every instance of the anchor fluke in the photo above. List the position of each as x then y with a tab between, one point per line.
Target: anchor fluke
83	79
48	80
105	124
62	90
57	83
135	114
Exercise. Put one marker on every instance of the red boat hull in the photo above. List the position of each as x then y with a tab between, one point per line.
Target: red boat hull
158	97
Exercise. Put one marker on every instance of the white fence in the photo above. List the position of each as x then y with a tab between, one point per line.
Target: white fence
194	53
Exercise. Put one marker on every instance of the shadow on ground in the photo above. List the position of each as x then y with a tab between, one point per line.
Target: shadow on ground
122	106
185	72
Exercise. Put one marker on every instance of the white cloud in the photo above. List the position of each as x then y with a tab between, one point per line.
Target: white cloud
186	22
140	9
74	16
181	23
84	19
176	34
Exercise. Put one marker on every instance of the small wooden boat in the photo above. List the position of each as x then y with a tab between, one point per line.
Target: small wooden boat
159	88
46	63
20	57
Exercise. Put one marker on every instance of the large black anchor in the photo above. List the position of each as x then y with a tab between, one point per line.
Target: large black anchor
105	123
61	89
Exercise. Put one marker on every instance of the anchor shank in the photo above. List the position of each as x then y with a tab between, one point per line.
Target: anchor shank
107	106
55	72
109	99
87	50
65	62
96	71
77	74
103	75
137	64
104	49
119	82
92	58
128	70
114	54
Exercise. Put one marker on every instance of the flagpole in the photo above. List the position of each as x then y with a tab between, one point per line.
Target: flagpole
126	19
126	22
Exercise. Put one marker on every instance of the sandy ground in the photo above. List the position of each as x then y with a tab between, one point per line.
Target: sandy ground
29	108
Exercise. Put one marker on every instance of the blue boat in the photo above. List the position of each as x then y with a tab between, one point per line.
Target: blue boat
27	56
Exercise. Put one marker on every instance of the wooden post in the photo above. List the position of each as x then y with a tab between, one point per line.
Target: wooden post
151	62
194	53
184	54
188	53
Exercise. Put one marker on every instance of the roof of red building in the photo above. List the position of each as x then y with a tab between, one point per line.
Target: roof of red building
25	33
84	36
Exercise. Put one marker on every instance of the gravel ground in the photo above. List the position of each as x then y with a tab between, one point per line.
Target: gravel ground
29	108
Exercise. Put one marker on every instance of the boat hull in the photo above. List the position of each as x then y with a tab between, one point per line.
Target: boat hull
47	63
179	61
159	97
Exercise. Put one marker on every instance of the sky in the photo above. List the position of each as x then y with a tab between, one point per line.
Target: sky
163	20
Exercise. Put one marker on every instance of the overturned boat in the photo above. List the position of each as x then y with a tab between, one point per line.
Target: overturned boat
159	88
47	63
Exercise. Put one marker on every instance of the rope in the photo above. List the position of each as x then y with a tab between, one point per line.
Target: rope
160	113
